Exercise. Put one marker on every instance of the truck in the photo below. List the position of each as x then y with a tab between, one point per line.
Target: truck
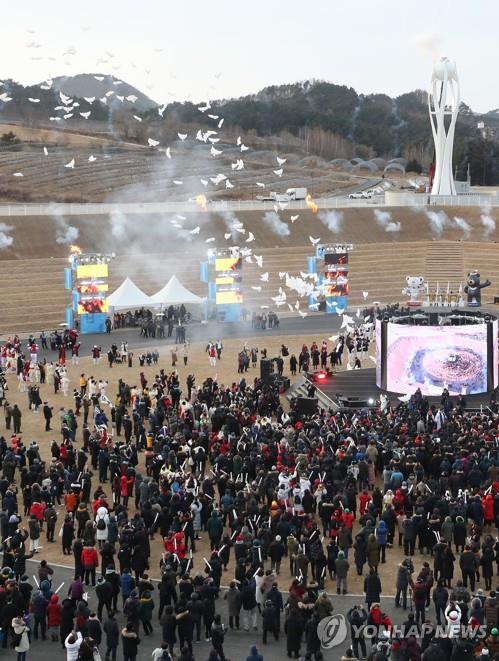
290	195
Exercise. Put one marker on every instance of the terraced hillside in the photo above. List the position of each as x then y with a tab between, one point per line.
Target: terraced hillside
150	249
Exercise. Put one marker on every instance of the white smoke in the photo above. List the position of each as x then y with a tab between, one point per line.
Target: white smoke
429	44
5	240
489	224
438	221
332	220
384	220
232	223
463	225
271	218
66	235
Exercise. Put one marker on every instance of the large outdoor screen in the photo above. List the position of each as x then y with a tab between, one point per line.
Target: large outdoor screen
437	357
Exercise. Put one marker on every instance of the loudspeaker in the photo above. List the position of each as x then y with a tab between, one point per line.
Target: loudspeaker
353	402
266	369
306	405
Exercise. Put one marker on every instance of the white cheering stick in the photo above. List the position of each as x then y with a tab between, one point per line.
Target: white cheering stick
233	534
189	562
60	586
36	581
207	564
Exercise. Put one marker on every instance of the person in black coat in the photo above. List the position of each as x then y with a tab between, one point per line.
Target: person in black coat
130	641
269	621
94	629
293	628
311	637
139	561
168	623
372	588
67	619
112	632
104	592
68	536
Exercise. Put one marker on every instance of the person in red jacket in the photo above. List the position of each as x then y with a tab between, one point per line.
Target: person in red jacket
89	560
488	509
364	500
37	509
54	617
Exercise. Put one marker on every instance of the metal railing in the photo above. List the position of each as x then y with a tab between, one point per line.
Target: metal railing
221	206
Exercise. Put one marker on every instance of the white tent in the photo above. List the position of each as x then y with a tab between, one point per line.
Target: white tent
128	296
174	293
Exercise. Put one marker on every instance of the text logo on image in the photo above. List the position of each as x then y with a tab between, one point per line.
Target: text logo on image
332	631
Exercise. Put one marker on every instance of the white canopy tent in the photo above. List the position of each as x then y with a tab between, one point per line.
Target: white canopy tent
128	297
174	293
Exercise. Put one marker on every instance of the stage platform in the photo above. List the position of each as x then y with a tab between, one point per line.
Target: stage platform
362	384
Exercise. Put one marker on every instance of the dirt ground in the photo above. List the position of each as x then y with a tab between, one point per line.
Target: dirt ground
198	364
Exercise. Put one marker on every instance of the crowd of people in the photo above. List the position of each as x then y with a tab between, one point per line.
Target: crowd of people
330	495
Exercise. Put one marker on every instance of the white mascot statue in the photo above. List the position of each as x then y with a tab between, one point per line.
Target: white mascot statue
415	287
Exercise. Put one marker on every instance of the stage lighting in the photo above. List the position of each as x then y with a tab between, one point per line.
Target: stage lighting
370	401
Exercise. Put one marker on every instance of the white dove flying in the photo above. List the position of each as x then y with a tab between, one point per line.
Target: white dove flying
86	115
214	151
182	136
33	100
259	260
152	143
139	119
228	184
71	164
220	123
91	158
278	172
281	161
89	99
45	151
313	241
168	153
293	218
264	277
256	288
196	230
365	294
251	237
260	184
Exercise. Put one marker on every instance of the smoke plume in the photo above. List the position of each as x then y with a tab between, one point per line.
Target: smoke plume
438	221
275	224
66	235
463	225
489	225
5	240
384	220
332	220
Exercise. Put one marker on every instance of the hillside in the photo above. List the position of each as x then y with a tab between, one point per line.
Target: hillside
101	85
312	118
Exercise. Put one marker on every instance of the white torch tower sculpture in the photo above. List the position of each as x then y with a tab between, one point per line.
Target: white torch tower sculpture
443	102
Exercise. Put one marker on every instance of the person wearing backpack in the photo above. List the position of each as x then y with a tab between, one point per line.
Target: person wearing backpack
101	521
20	639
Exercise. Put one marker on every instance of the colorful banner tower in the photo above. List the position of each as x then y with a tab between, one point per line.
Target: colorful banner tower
86	278
223	275
330	268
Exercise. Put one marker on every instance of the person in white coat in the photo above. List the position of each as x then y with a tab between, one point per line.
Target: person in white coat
101	523
453	618
72	645
20	629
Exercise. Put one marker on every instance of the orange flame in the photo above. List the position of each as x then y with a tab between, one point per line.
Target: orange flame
201	201
74	250
311	204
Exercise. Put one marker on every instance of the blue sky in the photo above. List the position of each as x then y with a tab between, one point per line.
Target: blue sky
192	49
